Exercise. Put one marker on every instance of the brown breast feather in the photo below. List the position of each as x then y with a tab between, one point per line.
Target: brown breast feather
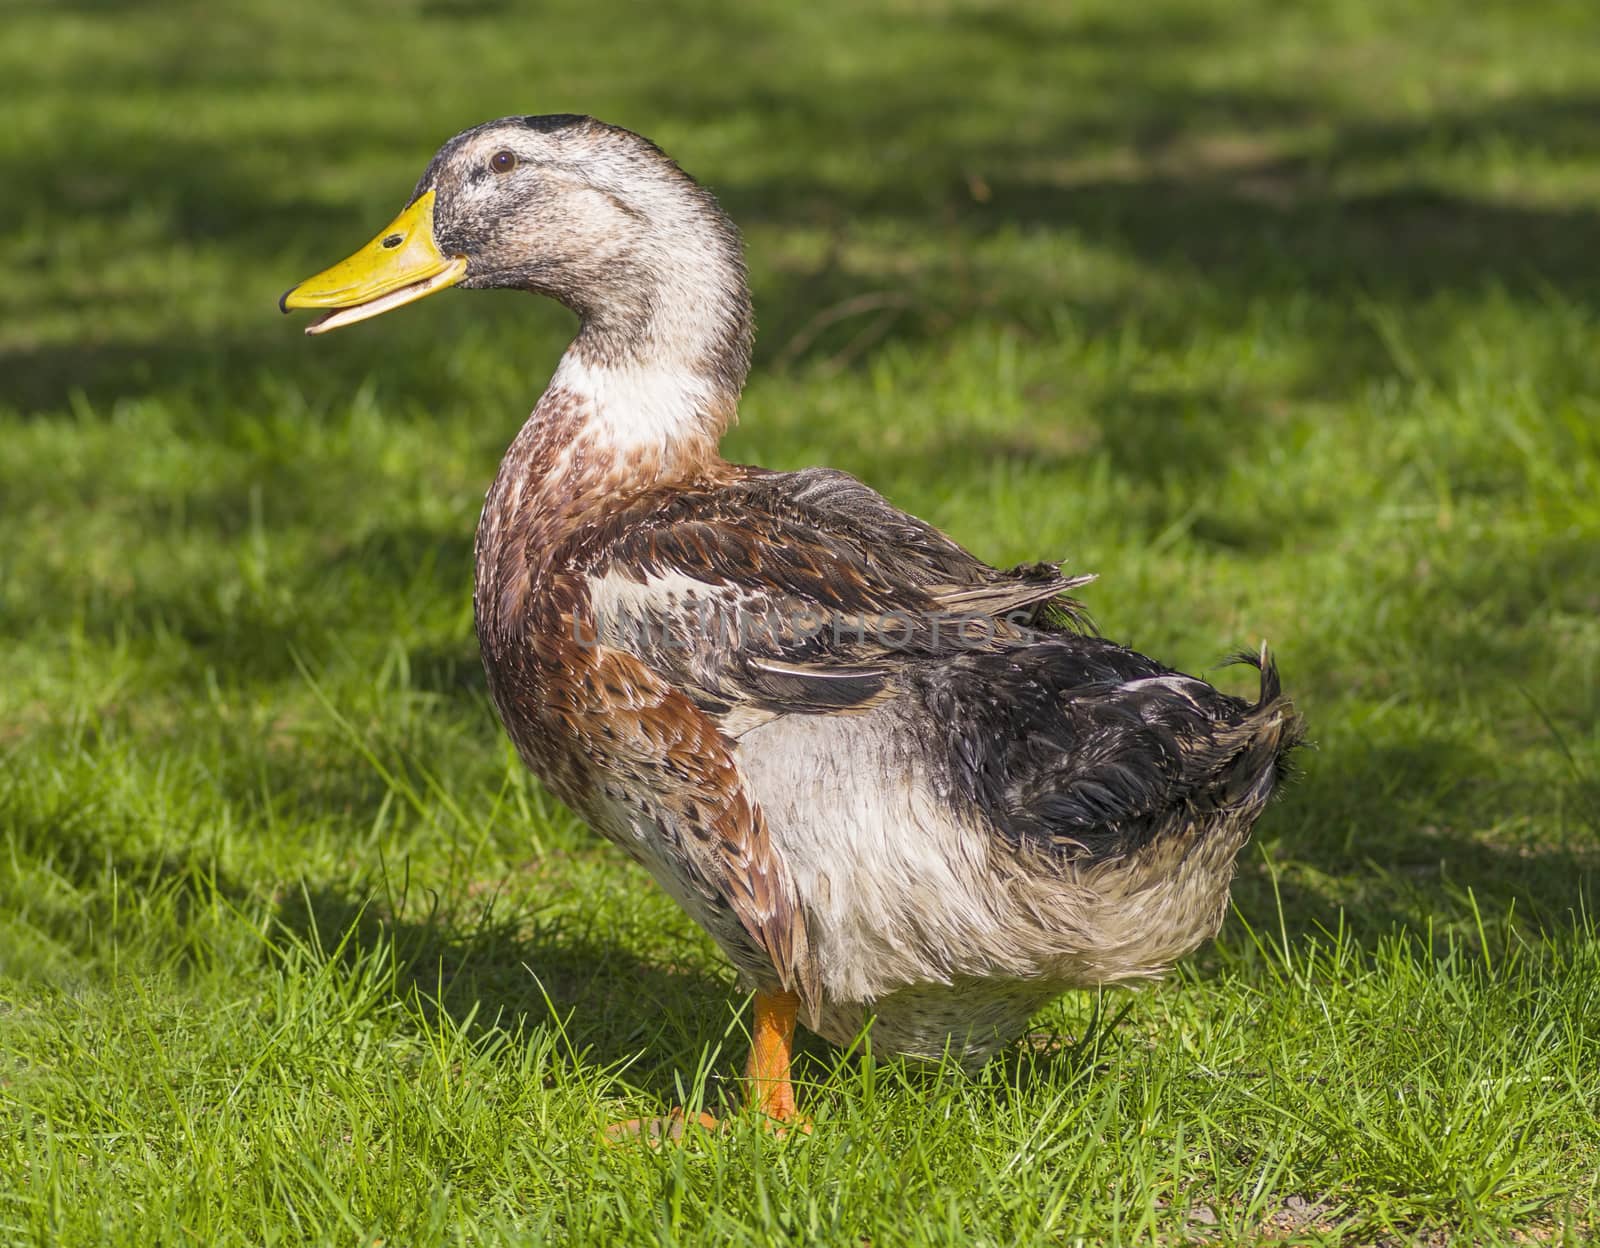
674	761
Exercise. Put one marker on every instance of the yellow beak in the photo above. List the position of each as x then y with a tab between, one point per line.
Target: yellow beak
400	266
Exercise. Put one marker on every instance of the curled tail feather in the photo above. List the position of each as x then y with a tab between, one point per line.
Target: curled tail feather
1267	732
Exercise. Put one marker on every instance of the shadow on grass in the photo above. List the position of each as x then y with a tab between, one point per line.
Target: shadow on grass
500	967
482	964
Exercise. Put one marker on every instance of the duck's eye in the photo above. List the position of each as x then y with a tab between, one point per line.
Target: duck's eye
503	161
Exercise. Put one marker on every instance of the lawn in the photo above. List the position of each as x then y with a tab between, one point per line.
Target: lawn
1284	319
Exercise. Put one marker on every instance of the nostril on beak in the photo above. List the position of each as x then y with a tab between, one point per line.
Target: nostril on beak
393	241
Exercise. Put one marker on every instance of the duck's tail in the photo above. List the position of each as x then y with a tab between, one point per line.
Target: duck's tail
1261	739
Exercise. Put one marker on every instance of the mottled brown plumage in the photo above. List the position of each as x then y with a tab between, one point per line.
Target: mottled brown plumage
892	781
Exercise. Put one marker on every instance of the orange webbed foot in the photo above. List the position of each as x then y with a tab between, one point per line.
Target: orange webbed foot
654	1132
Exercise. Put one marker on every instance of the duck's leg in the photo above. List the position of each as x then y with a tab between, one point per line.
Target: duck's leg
768	1090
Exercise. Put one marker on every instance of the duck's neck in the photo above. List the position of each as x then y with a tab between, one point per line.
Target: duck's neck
640	399
652	380
665	342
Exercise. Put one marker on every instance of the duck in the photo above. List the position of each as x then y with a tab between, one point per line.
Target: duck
907	793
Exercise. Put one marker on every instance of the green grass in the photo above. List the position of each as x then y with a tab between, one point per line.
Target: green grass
1285	319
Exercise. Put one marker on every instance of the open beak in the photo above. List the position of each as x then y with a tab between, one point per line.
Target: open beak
400	266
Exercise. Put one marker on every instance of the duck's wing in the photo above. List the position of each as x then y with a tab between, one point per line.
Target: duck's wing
797	592
785	593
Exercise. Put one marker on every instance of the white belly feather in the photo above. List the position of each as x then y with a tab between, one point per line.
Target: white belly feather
921	914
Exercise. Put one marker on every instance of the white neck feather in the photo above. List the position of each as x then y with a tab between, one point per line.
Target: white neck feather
634	408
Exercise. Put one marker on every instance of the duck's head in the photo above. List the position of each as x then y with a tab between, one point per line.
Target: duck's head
590	214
